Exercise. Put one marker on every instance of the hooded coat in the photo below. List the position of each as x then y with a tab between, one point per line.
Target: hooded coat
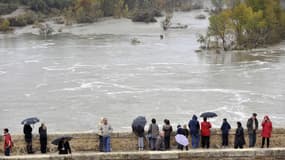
194	126
266	128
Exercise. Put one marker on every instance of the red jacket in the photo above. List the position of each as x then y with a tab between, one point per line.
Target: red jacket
7	141
266	128
205	128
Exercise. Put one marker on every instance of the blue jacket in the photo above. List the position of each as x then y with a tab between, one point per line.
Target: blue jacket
194	126
225	128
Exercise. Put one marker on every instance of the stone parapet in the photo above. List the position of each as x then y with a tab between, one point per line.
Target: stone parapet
198	154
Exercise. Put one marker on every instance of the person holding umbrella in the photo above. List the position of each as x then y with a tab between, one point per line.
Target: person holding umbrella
138	128
63	146
28	132
28	138
205	133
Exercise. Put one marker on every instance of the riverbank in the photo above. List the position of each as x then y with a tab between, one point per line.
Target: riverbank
127	141
197	154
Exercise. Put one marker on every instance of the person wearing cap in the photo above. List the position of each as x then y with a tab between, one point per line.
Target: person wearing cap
225	128
7	142
252	127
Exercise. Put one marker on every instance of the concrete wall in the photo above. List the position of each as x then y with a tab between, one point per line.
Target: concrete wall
200	154
125	141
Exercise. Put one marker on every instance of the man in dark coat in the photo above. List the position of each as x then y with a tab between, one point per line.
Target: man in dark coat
28	138
252	127
194	127
225	128
43	137
239	136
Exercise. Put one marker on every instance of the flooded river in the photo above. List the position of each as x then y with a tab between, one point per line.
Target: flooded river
72	79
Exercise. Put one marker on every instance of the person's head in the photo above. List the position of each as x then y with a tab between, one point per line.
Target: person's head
194	117
266	118
238	124
167	122
6	130
153	121
225	120
178	126
254	115
185	126
205	119
105	121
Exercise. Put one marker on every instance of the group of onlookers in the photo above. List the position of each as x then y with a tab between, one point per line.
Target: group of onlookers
158	140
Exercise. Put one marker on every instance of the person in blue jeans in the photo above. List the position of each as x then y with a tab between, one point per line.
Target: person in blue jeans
106	130
194	127
252	127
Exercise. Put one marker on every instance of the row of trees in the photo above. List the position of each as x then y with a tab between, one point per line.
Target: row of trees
248	24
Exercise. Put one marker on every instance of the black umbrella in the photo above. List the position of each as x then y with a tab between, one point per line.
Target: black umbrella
139	121
57	140
31	120
208	115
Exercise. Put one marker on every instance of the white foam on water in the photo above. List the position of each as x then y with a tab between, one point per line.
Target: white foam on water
32	61
225	91
54	68
41	85
2	73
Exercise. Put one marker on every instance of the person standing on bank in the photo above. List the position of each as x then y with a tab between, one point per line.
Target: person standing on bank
186	134
101	148
252	127
239	136
167	129
43	138
225	128
139	131
28	138
105	131
7	142
266	131
205	133
194	127
153	131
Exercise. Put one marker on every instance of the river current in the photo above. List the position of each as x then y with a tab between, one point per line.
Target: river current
72	79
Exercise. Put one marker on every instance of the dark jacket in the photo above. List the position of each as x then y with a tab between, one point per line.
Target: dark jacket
225	128
194	126
43	133
167	130
249	126
139	131
28	133
63	148
180	131
185	132
239	137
